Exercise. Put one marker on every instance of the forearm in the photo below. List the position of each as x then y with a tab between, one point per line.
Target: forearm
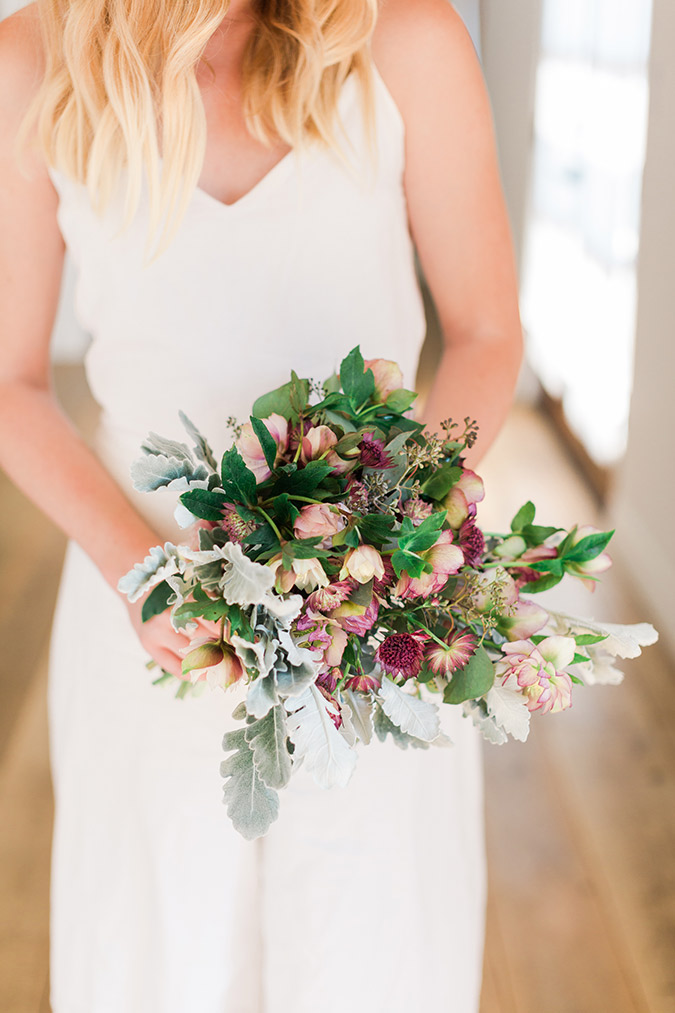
45	456
475	379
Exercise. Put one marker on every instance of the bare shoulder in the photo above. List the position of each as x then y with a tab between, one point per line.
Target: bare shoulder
422	47
21	54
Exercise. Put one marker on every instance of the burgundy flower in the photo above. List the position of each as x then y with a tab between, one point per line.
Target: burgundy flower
400	654
333	706
363	683
459	648
417	510
380	586
373	453
471	541
356	498
234	526
329	679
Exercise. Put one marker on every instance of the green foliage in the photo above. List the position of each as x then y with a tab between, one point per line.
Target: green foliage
358	383
400	401
303	481
523	517
157	601
212	609
542	583
440	482
266	440
288	400
239	482
472	681
204	503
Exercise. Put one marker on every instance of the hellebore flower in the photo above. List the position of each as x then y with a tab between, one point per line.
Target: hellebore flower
363	563
400	654
445	557
537	672
316	442
327	598
525	619
214	661
318	520
388	377
305	574
460	501
249	447
355	618
446	660
325	635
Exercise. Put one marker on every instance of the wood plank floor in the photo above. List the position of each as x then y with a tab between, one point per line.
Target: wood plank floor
580	820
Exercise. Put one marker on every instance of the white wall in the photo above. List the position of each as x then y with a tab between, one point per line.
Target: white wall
643	507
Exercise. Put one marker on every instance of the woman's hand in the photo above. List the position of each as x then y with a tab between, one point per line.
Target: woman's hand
164	645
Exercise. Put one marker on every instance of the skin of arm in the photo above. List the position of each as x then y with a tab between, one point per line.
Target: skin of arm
40	450
456	210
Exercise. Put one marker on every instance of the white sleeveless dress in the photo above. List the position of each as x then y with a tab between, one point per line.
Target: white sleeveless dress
367	899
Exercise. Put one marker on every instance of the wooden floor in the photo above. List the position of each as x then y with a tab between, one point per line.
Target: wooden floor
581	819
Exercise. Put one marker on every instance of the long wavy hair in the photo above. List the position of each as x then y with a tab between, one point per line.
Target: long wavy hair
120	86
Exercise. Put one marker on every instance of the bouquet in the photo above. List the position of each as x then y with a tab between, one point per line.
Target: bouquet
338	565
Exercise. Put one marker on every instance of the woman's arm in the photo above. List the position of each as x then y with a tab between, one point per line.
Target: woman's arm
456	210
40	450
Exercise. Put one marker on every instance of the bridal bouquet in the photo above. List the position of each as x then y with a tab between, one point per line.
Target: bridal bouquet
341	576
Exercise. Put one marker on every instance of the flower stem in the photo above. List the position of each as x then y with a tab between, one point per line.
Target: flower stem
271	523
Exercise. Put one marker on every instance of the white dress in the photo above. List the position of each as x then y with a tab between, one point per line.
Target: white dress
369	898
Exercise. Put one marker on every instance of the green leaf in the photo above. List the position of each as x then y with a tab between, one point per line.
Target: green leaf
283	400
439	484
357	382
579	659
298	395
588	547
408	562
472	681
213	609
400	401
238	481
251	805
535	534
375	527
267	738
305	480
524	517
305	548
553	565
332	384
204	503
542	584
422	537
157	601
266	440
284	511
264	537
584	639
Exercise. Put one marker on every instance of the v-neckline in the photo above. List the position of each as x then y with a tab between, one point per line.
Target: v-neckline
277	170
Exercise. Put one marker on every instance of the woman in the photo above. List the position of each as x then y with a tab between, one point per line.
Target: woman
292	242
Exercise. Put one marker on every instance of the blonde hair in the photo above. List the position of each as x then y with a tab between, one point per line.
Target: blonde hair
121	74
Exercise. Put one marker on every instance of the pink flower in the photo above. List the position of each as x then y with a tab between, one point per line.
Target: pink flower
233	525
363	683
536	672
318	520
526	618
400	654
356	618
417	510
592	567
463	496
388	377
446	660
316	442
214	661
327	598
445	558
325	635
249	447
363	563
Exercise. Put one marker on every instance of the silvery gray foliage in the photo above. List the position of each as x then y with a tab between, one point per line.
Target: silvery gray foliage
202	448
413	716
251	805
486	724
268	740
357	716
326	753
284	669
383	727
160	563
167	463
242	581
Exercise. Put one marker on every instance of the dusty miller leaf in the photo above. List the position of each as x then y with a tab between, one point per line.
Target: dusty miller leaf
251	805
414	716
328	757
509	709
267	739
